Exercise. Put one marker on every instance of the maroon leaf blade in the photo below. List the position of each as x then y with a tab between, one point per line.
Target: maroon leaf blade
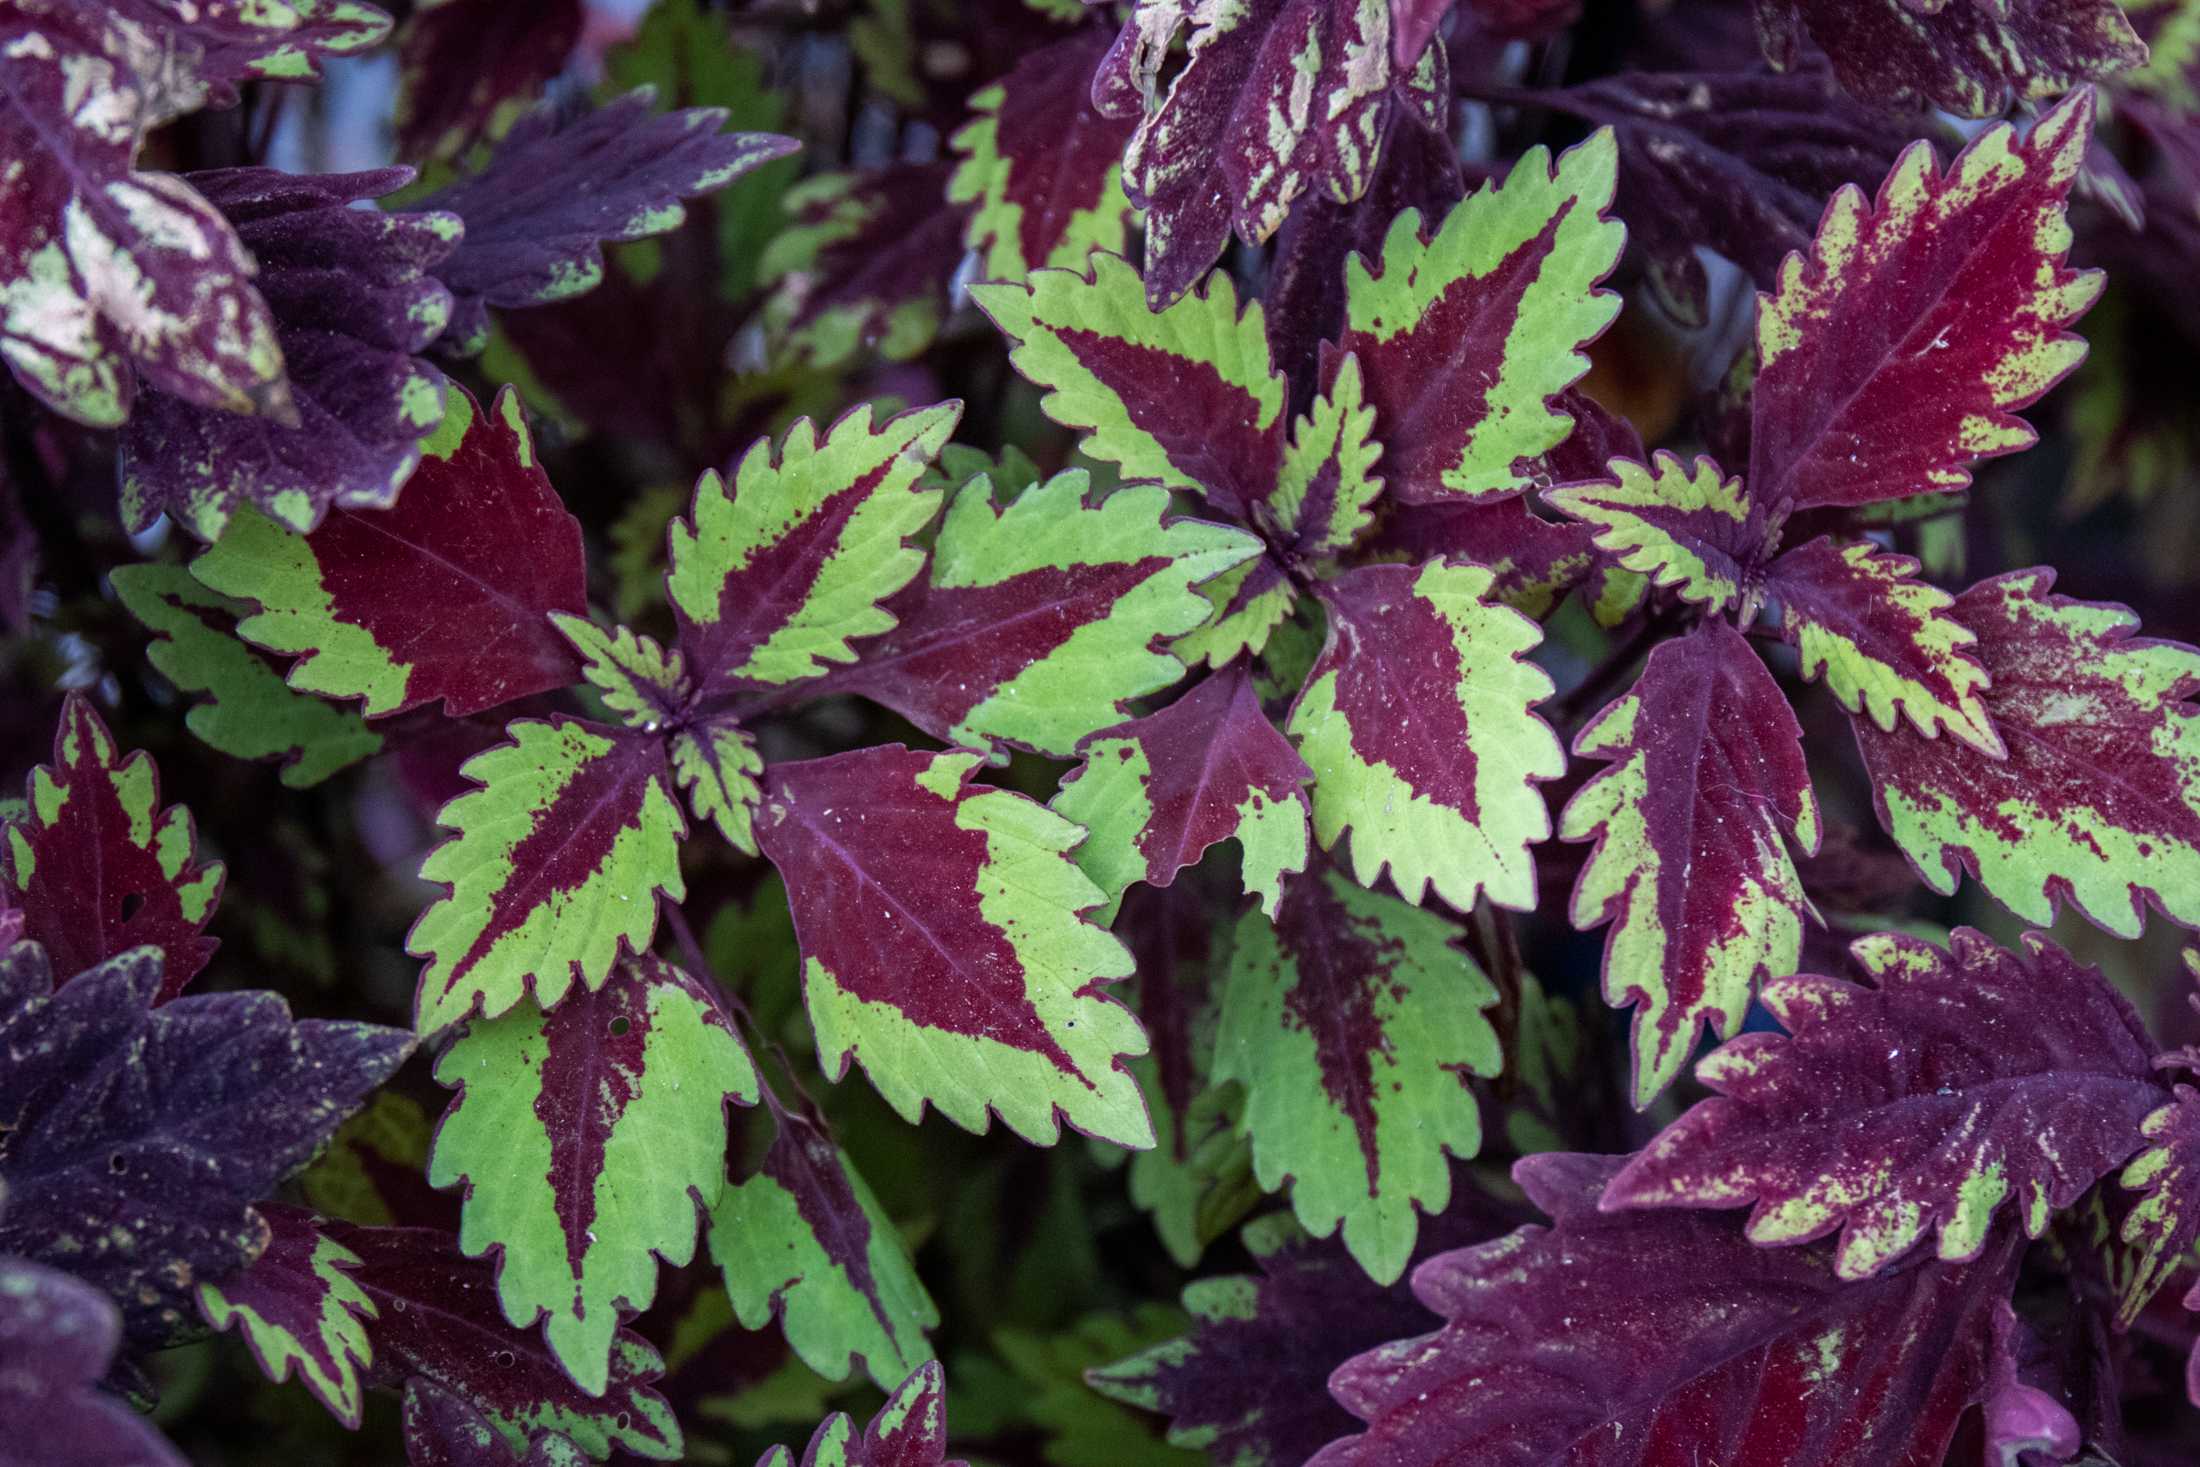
1954	1081
1692	822
1896	350
1759	1354
466	66
98	868
299	1310
444	595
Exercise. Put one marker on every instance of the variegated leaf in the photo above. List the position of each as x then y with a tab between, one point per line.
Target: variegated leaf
1325	486
2162	1224
300	1310
646	686
717	765
1688	528
910	1430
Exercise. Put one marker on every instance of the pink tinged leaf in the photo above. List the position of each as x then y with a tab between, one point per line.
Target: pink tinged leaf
1417	722
98	867
1355	1023
353	305
1955	1081
144	1135
2096	802
445	1430
1041	165
1692	822
444	595
942	945
554	869
1038	621
1886	644
58	1337
1970	56
1466	337
560	187
299	1310
866	264
1896	350
1686	527
1154	794
2024	1425
467	67
436	1319
114	275
1639	1339
588	1139
2164	1219
910	1430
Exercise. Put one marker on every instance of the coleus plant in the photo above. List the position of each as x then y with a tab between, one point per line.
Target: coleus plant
642	632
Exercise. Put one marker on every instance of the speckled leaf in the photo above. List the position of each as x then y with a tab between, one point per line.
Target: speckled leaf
446	1430
1465	338
1895	351
942	945
587	1140
865	265
1970	56
773	578
59	1336
98	867
560	186
214	44
108	275
2097	802
554	869
1038	621
469	67
436	1318
1417	720
1687	527
1041	166
142	1135
1275	98
910	1430
299	1310
441	596
1642	1339
1885	643
1692	821
353	302
1155	793
1184	397
1354	1021
2164	1220
804	1240
1917	1102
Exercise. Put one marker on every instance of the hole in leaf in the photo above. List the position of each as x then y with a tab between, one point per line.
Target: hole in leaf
620	1026
132	904
506	1359
116	1164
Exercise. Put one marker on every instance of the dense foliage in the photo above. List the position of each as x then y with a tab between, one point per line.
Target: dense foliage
1424	619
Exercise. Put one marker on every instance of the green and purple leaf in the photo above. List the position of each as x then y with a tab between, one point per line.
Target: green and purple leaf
774	578
443	596
1466	337
436	1318
943	946
1692	821
1895	351
468	68
446	1430
1641	1339
804	1240
717	766
1970	56
1326	487
554	869
354	302
1918	1102
1355	1021
1884	642
1417	720
1688	528
141	1136
1184	397
865	266
98	868
559	187
2097	802
112	275
1154	794
910	1430
1039	620
300	1311
58	1336
2162	1223
213	45
1536	561
1042	167
588	1141
634	678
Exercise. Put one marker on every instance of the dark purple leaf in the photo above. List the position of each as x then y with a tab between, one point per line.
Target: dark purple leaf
467	67
139	1137
57	1341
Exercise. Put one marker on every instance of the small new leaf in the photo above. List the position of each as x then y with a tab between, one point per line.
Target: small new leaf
910	1430
1688	528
